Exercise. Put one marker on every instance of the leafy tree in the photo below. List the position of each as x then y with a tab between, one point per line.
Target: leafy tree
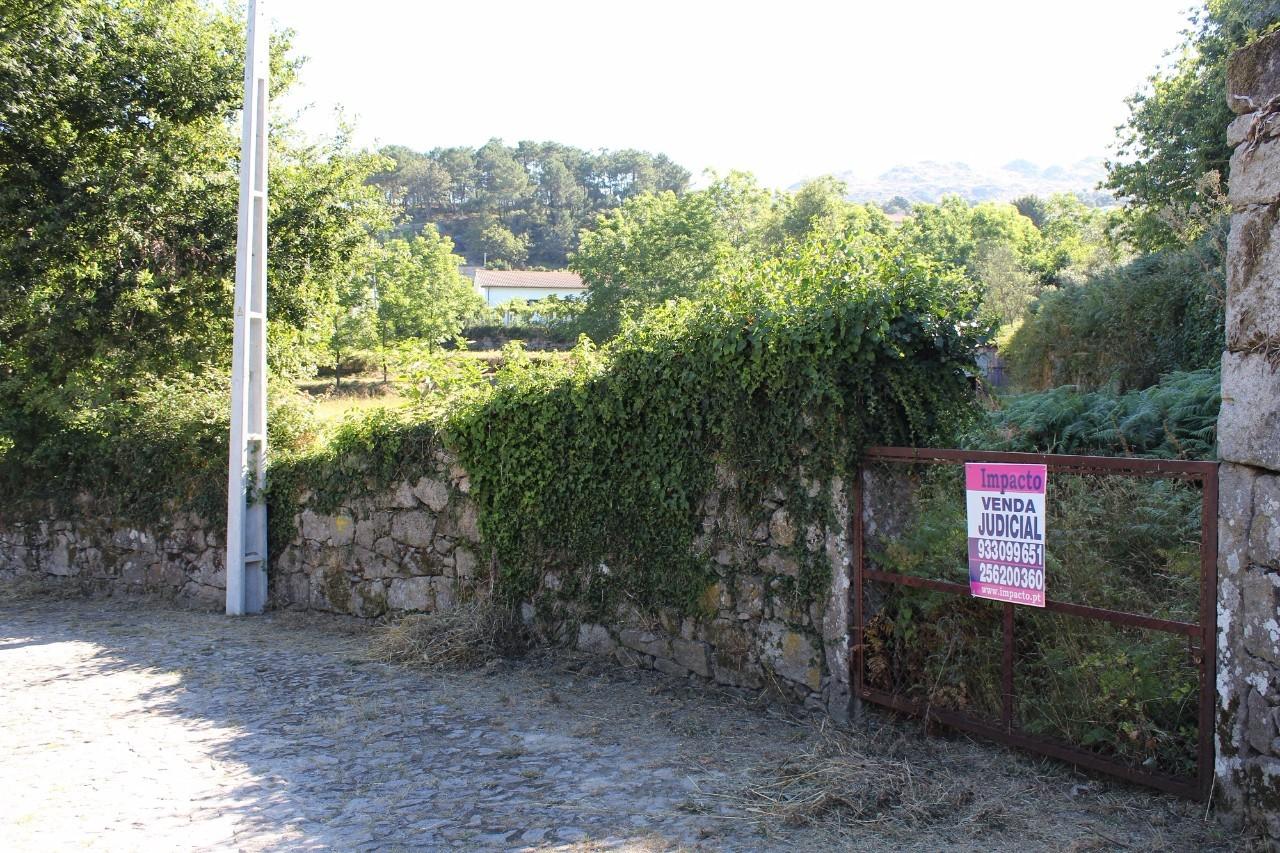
353	313
821	199
897	204
496	245
651	249
118	194
1173	143
1008	288
1033	207
419	293
397	293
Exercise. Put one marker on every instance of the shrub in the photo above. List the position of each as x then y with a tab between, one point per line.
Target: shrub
142	453
1125	328
1175	419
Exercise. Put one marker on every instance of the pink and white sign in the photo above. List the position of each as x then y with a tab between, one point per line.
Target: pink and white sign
1006	531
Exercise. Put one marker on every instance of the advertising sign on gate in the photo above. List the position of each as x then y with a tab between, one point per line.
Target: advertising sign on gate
1006	531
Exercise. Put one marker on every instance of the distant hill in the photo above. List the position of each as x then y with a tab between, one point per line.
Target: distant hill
930	180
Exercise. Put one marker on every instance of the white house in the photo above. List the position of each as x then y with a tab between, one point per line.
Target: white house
498	287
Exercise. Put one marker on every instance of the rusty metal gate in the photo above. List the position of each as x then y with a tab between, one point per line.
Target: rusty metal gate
1007	728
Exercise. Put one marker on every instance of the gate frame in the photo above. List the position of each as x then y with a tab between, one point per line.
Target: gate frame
1007	731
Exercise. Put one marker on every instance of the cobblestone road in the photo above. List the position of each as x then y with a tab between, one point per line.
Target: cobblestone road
126	727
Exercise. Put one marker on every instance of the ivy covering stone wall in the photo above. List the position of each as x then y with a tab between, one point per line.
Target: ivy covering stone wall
416	547
674	498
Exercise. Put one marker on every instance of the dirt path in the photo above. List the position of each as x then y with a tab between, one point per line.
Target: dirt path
130	727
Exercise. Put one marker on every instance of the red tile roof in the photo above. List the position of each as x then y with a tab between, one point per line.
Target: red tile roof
529	278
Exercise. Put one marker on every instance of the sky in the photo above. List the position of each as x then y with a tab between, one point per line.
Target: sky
787	89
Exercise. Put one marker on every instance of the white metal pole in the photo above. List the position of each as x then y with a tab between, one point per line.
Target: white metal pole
246	475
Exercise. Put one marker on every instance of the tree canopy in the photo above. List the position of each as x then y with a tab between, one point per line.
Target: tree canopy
118	194
518	206
1172	161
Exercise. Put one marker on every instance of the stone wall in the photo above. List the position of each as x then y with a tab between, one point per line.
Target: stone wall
752	633
416	548
1248	730
412	548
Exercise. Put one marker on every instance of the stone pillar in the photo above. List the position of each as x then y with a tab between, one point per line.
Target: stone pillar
1248	728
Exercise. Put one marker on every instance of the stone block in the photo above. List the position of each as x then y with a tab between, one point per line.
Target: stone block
442	590
596	640
781	528
373	566
1260	724
369	599
735	677
1238	130
1249	424
469	523
749	597
692	655
1235	510
295	590
790	654
1264	529
1260	614
59	561
1253	74
164	576
342	529
414	529
645	641
1253	278
433	493
371	528
314	526
1255	178
777	563
386	547
403	497
670	667
464	562
730	644
410	594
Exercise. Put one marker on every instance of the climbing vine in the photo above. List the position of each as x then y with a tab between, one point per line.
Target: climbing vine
594	468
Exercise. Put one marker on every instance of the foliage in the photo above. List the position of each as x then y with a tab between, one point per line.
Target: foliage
1176	419
1120	543
1173	140
792	364
651	249
160	449
118	197
402	292
1125	327
655	248
521	204
1009	288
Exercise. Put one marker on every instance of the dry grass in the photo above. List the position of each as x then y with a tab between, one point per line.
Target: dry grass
466	636
834	778
886	783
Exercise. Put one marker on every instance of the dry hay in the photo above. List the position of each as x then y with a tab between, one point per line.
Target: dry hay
833	780
466	636
885	783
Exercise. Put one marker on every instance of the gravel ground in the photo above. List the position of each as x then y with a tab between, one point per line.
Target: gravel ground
129	726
